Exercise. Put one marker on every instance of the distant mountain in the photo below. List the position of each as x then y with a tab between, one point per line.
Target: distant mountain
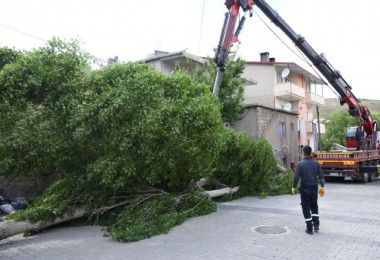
332	105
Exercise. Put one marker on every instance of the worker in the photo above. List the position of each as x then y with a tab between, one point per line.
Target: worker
309	171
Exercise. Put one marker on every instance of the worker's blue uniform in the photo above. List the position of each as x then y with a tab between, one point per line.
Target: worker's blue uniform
309	171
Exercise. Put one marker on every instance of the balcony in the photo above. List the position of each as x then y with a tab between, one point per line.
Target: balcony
289	91
314	99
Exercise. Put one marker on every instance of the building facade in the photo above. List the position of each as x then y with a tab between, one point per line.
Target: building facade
287	86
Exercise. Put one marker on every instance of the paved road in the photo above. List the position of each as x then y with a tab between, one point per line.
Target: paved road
350	229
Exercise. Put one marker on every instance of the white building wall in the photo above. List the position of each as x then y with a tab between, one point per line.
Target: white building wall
263	92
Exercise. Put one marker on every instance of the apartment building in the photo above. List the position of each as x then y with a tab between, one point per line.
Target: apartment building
284	86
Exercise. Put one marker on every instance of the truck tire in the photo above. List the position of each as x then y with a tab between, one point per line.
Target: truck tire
364	177
371	177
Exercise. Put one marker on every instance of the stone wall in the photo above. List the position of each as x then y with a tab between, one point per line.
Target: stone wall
264	122
265	117
28	187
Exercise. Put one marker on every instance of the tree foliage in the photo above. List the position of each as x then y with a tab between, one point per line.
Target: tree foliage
102	123
245	162
38	94
8	56
336	128
134	112
231	93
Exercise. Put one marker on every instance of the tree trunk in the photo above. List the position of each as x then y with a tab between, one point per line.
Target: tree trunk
221	192
11	227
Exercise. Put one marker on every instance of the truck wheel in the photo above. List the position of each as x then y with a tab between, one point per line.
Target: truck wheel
371	177
364	177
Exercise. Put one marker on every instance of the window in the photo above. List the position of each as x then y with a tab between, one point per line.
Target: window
292	127
282	129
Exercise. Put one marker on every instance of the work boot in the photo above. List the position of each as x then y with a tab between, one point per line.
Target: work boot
315	220
309	231
316	228
309	225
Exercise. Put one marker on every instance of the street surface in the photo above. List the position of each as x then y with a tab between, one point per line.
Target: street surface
350	229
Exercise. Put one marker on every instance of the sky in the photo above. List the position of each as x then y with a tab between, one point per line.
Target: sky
346	31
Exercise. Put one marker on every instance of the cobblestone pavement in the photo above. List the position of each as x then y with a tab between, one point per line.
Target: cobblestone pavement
350	228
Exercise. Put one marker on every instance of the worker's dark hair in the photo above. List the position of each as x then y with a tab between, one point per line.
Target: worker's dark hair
306	150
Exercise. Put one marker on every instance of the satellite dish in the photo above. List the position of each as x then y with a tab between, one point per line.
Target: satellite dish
287	107
285	73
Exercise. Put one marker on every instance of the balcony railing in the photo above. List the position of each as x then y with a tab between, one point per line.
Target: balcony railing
289	91
314	99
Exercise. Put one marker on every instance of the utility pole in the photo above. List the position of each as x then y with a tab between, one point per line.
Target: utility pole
319	130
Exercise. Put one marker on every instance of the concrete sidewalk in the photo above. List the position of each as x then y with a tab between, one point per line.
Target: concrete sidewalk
350	228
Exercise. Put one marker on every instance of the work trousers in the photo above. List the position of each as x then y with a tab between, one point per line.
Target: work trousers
309	203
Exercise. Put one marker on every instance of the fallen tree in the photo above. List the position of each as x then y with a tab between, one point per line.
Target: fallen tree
115	131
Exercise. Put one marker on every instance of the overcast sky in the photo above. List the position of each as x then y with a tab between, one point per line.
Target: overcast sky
347	31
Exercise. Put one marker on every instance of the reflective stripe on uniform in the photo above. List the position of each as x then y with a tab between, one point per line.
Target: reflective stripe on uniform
314	215
308	219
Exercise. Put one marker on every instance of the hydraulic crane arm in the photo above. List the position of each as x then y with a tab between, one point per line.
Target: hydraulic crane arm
229	36
320	62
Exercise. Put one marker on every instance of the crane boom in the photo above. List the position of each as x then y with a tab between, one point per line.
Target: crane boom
229	36
355	108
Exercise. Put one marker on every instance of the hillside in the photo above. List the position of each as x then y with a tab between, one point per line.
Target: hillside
332	105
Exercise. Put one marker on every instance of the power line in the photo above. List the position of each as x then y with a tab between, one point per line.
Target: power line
301	56
19	31
39	38
279	37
